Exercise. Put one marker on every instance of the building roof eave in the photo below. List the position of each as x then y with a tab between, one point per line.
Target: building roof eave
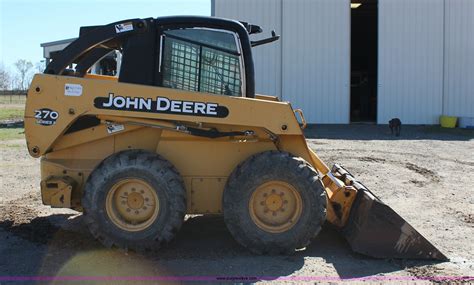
60	42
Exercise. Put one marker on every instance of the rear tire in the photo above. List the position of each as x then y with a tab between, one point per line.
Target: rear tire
274	203
134	200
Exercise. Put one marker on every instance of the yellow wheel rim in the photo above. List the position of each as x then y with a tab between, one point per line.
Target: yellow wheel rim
132	205
275	206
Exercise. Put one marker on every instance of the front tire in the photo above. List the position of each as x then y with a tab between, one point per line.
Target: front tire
134	200
274	203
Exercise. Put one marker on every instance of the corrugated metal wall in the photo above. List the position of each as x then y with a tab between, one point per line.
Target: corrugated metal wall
310	64
316	58
426	56
410	71
267	14
459	58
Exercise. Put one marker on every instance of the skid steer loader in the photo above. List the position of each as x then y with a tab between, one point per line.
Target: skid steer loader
181	131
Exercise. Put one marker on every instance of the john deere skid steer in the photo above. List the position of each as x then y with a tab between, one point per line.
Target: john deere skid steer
181	131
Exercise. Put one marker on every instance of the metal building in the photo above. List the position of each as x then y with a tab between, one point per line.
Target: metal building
365	61
108	65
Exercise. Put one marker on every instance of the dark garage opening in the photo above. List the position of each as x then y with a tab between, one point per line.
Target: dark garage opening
364	25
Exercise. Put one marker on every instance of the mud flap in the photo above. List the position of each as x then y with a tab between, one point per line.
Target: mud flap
374	229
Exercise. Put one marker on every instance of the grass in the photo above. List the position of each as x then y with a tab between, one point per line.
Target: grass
11	134
13	112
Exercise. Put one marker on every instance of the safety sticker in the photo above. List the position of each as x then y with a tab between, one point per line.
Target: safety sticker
113	127
72	89
124	27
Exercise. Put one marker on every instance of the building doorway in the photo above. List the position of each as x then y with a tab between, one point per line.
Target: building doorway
364	49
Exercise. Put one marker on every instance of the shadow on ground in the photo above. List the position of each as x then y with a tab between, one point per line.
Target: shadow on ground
382	132
60	245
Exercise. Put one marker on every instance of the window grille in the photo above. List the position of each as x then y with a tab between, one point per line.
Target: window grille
199	66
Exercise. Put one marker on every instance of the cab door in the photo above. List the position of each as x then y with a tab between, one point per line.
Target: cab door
202	60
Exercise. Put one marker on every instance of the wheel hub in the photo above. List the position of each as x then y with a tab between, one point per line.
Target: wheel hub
132	204
274	202
275	206
135	200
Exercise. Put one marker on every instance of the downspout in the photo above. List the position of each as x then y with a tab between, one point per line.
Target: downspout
444	58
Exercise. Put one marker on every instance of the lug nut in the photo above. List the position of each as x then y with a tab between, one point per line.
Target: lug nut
141	191
273	190
274	213
136	212
146	199
133	189
285	202
144	208
128	210
262	203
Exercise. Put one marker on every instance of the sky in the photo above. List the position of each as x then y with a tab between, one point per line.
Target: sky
25	24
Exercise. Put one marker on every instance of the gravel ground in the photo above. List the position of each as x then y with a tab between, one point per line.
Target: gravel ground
424	175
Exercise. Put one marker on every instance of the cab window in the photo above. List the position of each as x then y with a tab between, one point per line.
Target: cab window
202	60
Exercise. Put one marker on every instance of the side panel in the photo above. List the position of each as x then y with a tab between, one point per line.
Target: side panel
316	58
459	58
267	58
410	67
49	112
204	163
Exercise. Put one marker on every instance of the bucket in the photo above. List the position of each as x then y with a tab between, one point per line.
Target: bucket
448	121
466	122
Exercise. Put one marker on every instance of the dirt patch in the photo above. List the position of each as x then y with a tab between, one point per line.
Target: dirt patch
21	218
429	272
417	183
22	210
372	159
423	272
423	171
28	219
467	218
